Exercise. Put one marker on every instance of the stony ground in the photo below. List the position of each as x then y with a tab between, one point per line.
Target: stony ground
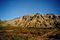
19	33
31	27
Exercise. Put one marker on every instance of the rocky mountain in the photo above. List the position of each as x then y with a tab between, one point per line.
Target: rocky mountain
31	27
36	20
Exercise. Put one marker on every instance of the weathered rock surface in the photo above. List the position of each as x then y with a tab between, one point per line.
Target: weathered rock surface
38	26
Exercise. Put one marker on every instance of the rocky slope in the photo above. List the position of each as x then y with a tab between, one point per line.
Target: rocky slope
36	20
31	27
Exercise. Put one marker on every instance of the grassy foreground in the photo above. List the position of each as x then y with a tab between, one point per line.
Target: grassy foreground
21	33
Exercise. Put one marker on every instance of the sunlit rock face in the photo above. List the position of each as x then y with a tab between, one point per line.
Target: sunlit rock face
36	20
31	27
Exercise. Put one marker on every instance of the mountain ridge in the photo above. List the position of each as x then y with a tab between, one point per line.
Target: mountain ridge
35	19
31	27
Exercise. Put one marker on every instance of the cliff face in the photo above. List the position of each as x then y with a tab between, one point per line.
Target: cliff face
36	20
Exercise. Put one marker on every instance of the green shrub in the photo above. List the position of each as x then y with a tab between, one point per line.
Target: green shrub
2	28
16	38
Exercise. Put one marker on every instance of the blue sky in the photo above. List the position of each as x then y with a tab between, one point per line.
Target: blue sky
10	9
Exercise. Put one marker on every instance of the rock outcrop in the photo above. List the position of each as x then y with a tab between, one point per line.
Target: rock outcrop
37	20
31	27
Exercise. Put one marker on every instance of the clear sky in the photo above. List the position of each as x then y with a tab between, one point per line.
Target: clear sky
10	9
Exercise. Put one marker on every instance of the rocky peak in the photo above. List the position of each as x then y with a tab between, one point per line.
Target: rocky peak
36	20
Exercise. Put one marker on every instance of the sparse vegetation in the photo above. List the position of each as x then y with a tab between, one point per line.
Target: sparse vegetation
35	27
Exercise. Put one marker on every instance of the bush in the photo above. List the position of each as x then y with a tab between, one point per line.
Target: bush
16	38
2	28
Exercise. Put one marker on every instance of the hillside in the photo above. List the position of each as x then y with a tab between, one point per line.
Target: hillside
31	27
38	20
